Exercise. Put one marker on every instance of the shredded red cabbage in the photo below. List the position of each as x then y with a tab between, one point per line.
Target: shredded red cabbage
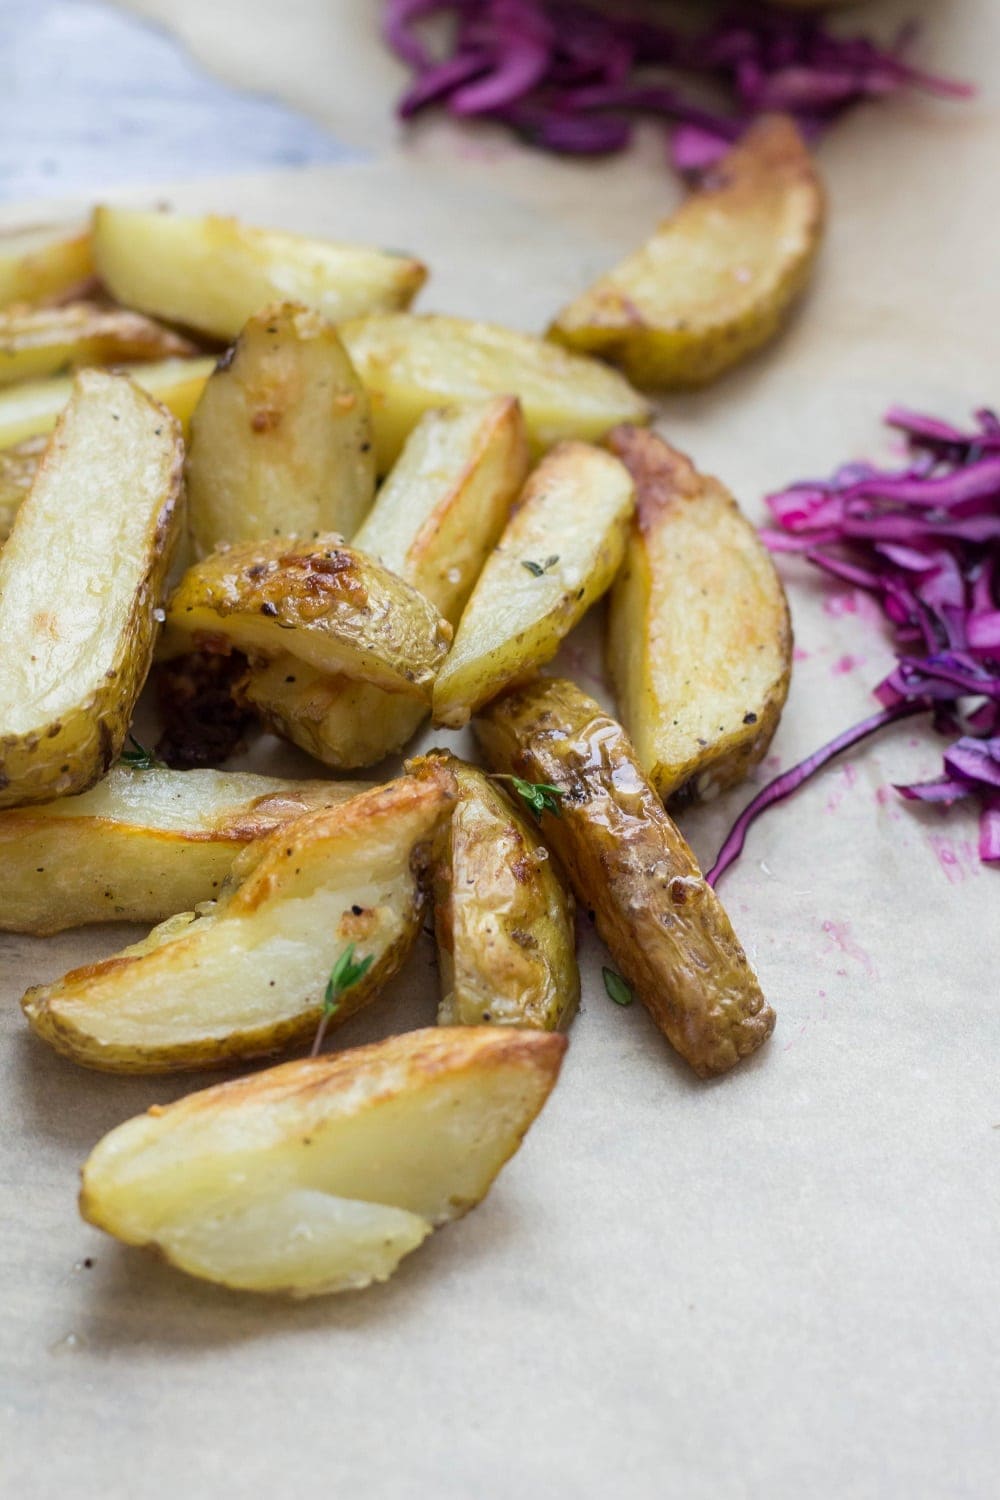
572	77
925	540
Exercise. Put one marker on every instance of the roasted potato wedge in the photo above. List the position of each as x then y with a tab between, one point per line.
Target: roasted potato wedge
246	975
35	342
18	467
505	932
214	273
324	603
80	579
44	263
715	281
141	844
30	410
409	364
281	439
628	863
557	556
319	1176
699	634
436	518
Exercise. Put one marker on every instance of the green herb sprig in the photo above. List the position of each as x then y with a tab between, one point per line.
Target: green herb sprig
538	795
138	758
537	569
616	988
344	974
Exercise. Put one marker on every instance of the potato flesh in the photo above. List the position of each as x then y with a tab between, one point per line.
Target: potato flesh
80	578
18	467
43	263
420	1123
140	845
281	438
699	634
214	273
410	364
717	280
326	604
628	863
436	517
38	342
506	941
571	524
27	411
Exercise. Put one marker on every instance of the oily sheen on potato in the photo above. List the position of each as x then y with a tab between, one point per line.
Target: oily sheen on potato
319	1176
699	634
81	577
44	263
35	342
31	410
246	976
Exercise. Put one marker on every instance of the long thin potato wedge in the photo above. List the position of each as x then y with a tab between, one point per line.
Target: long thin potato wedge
699	634
214	273
505	932
319	1176
629	865
141	844
30	410
80	580
246	975
717	280
35	342
281	439
410	364
44	263
557	556
18	467
436	518
320	601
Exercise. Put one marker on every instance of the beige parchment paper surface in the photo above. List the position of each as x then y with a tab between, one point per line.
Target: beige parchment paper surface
781	1284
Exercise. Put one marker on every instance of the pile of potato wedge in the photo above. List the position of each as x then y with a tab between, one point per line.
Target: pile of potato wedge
233	462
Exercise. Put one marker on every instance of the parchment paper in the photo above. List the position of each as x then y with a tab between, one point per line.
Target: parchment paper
781	1284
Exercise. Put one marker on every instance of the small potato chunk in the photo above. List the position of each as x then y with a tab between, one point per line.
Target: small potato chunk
35	342
319	1176
30	410
436	518
80	579
18	467
557	556
281	439
246	975
409	364
505	934
214	273
628	863
141	844
44	263
320	601
717	280
699	634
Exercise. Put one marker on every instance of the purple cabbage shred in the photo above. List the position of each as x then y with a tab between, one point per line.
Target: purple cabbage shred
572	77
925	541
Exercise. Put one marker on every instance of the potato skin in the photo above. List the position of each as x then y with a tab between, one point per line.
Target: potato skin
35	342
699	632
504	923
718	279
629	864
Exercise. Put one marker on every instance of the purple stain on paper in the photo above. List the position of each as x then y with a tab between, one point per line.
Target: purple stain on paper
846	664
838	936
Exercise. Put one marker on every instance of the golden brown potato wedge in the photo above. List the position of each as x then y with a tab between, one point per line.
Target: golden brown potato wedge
214	273
436	518
557	556
32	409
319	1176
18	467
504	924
324	603
715	281
699	634
35	342
410	364
281	441
629	865
246	975
80	579
44	263
141	844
